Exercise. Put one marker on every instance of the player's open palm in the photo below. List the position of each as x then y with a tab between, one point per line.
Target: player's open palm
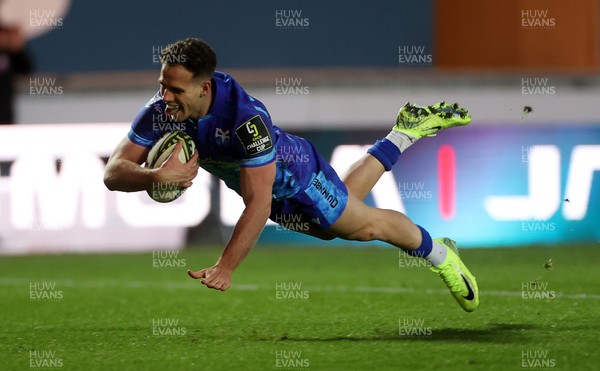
215	277
173	171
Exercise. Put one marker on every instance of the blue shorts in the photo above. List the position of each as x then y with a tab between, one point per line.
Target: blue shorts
321	202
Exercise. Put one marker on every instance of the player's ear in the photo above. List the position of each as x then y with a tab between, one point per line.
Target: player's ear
205	87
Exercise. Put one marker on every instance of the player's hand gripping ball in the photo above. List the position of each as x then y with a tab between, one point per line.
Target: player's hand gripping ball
167	192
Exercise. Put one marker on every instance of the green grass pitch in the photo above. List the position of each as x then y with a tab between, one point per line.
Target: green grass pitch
300	308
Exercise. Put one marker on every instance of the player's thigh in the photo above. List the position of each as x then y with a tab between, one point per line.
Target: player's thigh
355	222
293	215
305	226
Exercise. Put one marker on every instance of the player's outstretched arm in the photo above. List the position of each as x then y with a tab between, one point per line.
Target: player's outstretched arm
124	172
257	190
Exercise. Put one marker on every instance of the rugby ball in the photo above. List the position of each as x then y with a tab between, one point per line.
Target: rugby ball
159	153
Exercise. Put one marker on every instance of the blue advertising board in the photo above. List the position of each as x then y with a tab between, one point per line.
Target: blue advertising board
486	186
482	185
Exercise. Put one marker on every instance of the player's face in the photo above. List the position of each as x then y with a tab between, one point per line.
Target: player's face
184	96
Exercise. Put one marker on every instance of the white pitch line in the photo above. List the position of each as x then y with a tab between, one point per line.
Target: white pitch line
252	287
408	290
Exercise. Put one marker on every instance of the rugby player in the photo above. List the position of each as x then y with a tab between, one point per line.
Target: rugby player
237	142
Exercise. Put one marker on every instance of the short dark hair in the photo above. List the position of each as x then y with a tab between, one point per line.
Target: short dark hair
195	55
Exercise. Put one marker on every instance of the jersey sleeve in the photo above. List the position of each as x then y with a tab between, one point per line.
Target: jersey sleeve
255	140
142	130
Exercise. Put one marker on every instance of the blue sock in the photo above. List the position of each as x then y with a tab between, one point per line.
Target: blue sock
426	246
386	152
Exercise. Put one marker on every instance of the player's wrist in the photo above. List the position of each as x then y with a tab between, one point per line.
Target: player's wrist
153	177
225	265
159	176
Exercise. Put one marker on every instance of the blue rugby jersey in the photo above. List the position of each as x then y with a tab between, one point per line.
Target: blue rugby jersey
236	132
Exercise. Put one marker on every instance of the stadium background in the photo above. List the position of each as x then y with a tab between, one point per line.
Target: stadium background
335	73
86	283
